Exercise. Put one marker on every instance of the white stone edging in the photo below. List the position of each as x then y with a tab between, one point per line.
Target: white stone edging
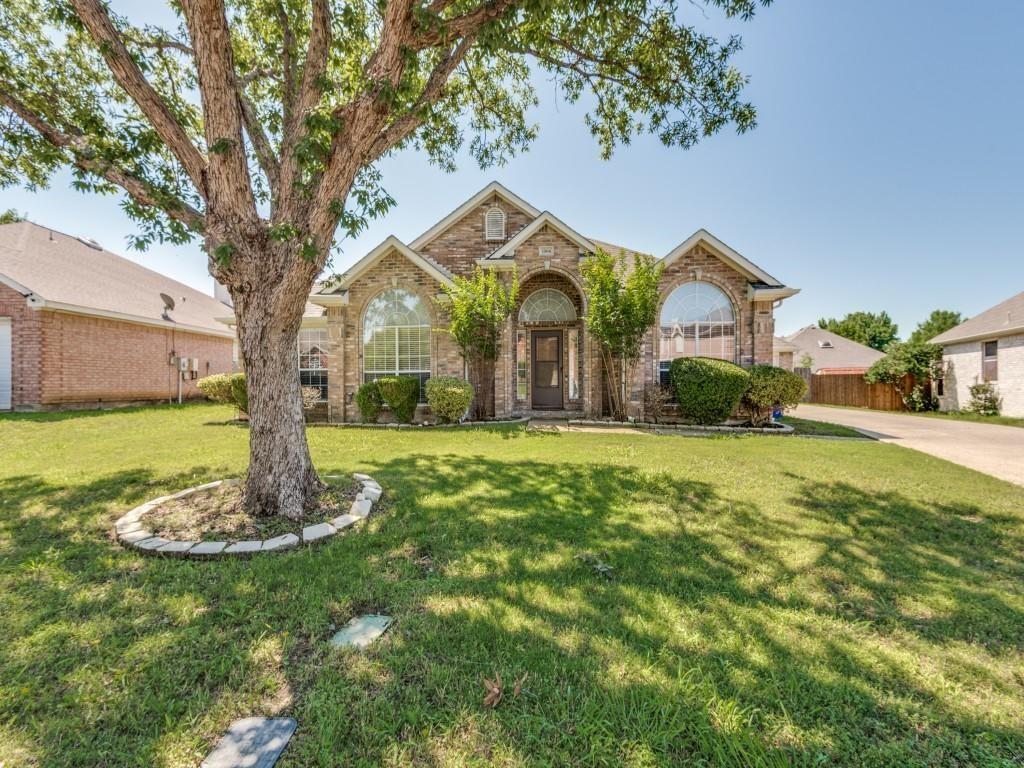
396	425
780	429
132	534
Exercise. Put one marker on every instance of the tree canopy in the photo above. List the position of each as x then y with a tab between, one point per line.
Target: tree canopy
939	321
11	216
921	361
876	330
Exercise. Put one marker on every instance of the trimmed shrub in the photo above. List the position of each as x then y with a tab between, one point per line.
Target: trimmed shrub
770	388
240	392
707	390
449	397
656	398
401	394
310	398
985	399
370	402
217	388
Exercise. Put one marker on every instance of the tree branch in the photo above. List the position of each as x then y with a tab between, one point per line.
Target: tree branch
467	23
126	72
84	157
260	141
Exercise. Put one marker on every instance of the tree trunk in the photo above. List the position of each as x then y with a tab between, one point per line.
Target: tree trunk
281	479
481	375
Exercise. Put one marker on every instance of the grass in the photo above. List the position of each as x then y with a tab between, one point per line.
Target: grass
819	428
771	602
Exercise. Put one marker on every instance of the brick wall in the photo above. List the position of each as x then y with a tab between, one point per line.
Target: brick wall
459	246
26	343
89	360
962	368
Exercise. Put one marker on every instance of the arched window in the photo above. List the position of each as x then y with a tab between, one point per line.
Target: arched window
697	320
396	337
547	305
494	224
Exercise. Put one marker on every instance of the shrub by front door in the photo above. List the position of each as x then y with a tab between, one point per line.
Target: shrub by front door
547	369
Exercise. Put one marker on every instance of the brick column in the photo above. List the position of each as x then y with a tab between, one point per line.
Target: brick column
336	363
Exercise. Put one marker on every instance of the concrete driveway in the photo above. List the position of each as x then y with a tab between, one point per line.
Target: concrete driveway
990	448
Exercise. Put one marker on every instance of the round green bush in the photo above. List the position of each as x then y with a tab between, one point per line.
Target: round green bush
240	392
370	402
771	387
216	388
707	390
401	393
449	397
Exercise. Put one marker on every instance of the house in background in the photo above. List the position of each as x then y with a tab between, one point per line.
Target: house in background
826	352
83	327
988	347
782	353
386	315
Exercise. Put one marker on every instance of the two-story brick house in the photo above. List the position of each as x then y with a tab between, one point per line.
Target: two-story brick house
386	315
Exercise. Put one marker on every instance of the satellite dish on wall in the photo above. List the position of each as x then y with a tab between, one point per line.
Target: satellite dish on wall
168	305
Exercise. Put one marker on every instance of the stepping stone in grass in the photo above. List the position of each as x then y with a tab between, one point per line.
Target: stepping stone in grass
253	742
361	631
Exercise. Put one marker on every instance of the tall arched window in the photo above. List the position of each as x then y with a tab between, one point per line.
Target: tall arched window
697	320
547	305
396	337
494	224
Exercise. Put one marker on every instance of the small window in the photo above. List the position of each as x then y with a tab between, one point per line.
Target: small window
494	224
990	361
940	388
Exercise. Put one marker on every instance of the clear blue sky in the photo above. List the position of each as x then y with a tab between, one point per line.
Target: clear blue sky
887	170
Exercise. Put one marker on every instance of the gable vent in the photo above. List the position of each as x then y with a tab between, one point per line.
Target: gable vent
825	344
494	224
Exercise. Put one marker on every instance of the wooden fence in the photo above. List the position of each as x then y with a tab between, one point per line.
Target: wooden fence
850	389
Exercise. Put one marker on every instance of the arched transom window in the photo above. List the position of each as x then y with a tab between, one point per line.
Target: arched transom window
697	320
494	224
396	337
547	305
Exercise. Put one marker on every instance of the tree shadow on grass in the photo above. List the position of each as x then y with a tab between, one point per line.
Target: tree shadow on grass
728	632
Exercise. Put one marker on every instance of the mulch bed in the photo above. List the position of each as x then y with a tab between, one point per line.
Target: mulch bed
217	515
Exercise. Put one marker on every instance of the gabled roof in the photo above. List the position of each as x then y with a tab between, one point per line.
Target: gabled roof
725	253
53	270
1004	318
524	234
391	243
494	188
830	350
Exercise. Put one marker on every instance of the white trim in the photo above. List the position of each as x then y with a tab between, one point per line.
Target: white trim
481	197
329	299
530	229
986	336
770	294
382	250
722	251
75	309
15	285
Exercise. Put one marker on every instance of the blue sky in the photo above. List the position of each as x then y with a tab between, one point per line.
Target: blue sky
887	170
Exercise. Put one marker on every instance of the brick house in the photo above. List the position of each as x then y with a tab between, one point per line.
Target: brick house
83	327
987	347
386	315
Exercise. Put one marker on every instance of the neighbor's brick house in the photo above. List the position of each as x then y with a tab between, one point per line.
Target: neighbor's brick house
987	347
386	314
83	327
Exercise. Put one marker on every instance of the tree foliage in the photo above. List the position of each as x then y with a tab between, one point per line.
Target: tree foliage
939	321
708	390
622	306
478	307
770	388
921	361
11	216
875	330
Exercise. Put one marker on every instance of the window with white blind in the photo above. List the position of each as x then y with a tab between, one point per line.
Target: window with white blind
494	224
312	351
697	320
396	337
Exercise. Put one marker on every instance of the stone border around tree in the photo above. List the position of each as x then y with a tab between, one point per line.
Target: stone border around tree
779	429
395	425
132	534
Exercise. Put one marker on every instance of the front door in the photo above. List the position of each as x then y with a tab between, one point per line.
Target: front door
547	369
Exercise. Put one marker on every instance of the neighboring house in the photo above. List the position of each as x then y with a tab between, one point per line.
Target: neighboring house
782	353
386	315
82	327
828	353
988	347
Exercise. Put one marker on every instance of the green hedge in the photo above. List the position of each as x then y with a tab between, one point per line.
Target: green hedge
240	392
401	394
771	387
370	402
227	388
449	397
708	390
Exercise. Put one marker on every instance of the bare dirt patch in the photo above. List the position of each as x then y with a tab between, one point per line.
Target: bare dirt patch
218	515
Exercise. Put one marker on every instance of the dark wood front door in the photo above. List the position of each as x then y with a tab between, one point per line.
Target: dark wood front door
547	369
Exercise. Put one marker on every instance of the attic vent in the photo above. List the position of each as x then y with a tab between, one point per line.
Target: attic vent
494	224
90	242
825	344
547	250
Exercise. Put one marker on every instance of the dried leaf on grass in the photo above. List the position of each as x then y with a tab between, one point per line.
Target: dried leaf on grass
496	689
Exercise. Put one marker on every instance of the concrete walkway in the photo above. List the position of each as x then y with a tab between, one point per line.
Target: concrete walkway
990	448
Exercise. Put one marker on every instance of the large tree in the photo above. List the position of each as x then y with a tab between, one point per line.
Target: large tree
939	321
876	330
255	126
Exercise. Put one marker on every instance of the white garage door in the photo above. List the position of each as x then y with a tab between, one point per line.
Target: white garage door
5	363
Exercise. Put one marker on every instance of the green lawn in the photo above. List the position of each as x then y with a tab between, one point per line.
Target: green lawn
819	428
772	601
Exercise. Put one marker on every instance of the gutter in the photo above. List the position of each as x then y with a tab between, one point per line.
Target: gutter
37	302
